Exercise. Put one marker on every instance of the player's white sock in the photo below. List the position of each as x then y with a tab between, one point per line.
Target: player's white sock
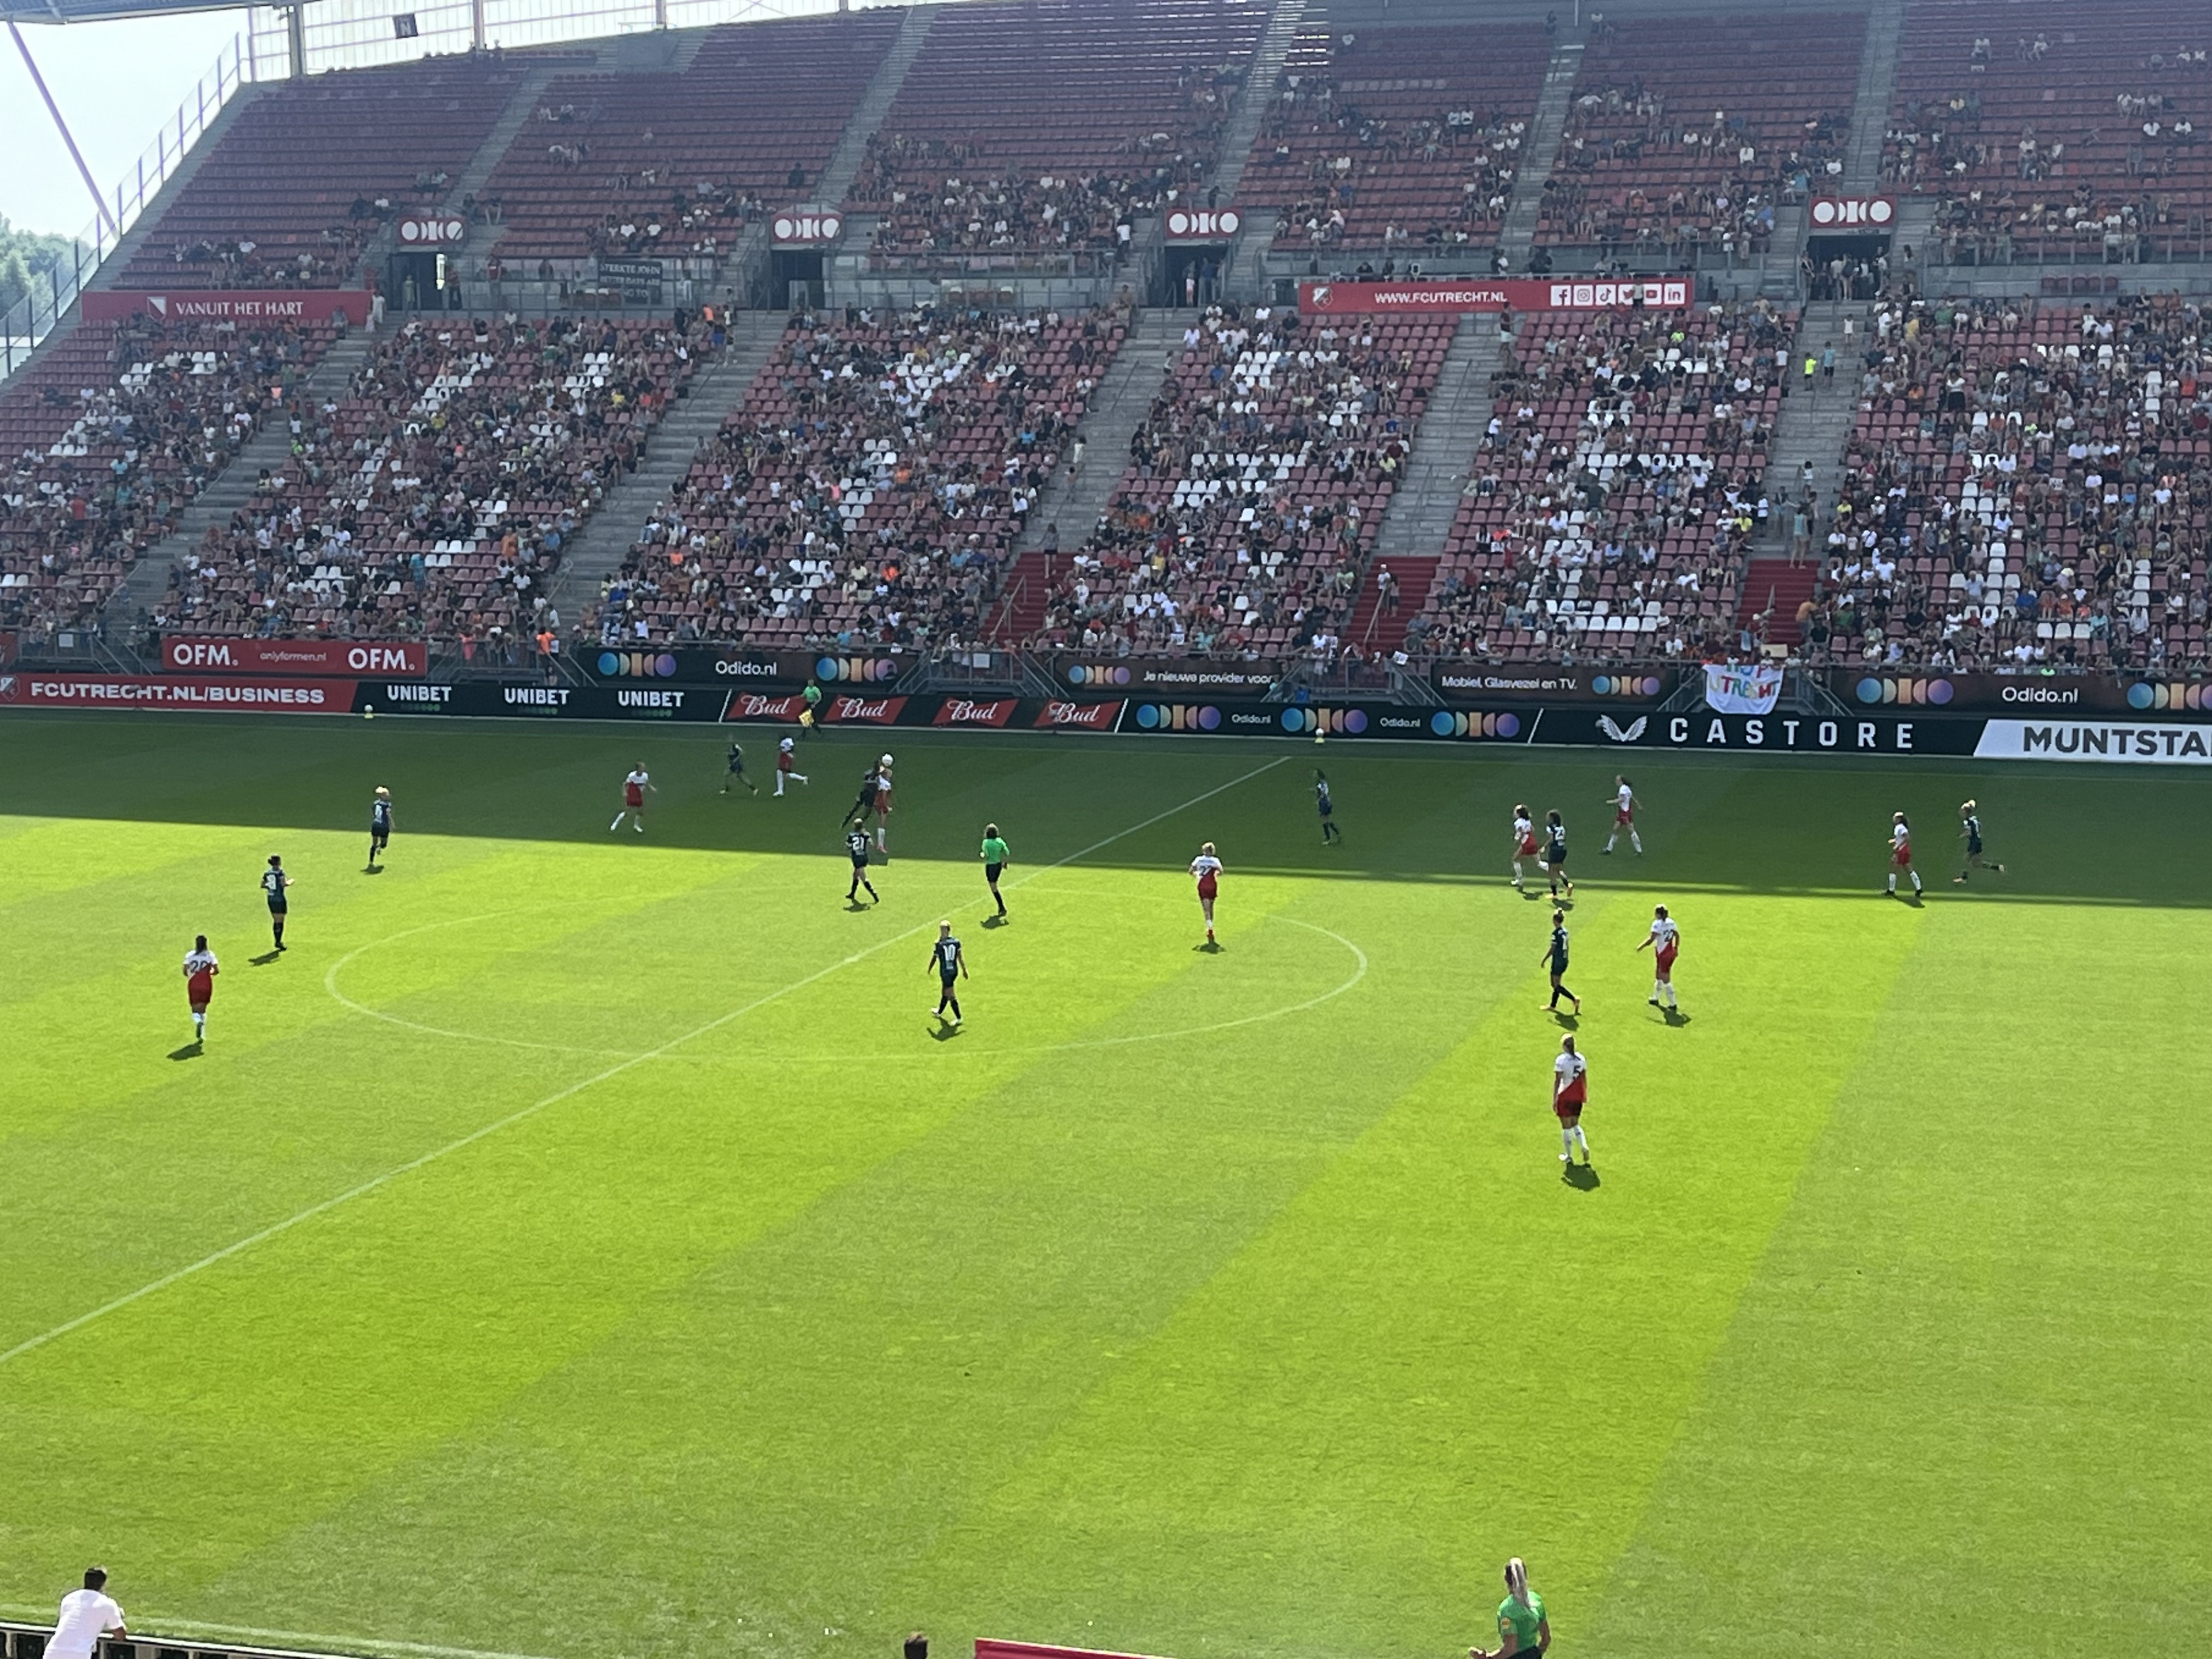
1916	881
1893	881
1567	1144
778	785
638	824
617	824
199	1025
801	776
1658	989
1517	873
1609	840
1582	1139
1636	841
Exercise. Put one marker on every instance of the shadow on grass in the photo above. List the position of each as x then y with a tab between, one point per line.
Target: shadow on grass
1580	1176
264	959
192	1050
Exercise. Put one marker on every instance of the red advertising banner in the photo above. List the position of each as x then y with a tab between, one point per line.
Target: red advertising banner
754	706
865	711
275	305
187	654
962	711
1537	294
1852	212
269	696
1079	717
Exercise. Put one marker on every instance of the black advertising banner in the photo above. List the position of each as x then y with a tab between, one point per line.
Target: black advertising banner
694	666
1753	735
2022	695
1166	677
1490	684
538	701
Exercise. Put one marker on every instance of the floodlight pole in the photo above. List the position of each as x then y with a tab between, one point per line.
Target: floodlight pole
296	39
99	201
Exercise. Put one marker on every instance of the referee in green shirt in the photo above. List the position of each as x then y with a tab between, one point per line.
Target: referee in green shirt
1521	1626
994	862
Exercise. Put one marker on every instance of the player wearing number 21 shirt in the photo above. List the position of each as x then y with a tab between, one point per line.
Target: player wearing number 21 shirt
1666	942
1206	868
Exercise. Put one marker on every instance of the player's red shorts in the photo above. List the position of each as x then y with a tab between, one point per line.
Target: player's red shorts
1625	815
632	795
199	992
1206	887
1666	964
1901	857
1527	847
1569	1104
783	760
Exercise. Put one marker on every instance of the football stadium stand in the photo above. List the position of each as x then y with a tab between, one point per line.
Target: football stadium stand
869	490
1616	492
433	499
1398	140
2050	133
106	437
2026	486
1254	488
1042	126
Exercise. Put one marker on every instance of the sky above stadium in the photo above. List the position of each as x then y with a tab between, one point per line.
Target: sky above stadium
116	83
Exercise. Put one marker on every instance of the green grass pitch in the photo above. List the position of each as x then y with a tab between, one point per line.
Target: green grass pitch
587	1243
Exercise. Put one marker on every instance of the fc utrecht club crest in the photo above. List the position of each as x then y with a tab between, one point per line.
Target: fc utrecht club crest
1629	733
1320	292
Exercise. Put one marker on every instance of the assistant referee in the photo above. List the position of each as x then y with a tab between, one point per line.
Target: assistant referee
1521	1626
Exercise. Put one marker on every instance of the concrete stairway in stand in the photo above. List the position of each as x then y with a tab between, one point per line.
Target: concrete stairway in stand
1074	505
120	256
844	163
1770	584
233	488
1870	105
606	541
1259	91
1426	500
1538	152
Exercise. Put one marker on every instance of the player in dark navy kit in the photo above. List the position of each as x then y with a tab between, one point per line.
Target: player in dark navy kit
1554	861
274	881
1326	807
737	771
952	964
379	824
856	845
1555	956
871	784
1970	831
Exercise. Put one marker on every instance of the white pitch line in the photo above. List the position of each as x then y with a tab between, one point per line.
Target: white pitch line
593	1081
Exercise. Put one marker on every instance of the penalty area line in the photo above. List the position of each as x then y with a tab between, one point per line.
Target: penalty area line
363	1189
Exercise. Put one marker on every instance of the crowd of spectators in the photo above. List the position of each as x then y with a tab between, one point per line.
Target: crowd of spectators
2080	145
113	432
1685	134
2026	487
1254	488
433	500
1405	139
869	491
1620	482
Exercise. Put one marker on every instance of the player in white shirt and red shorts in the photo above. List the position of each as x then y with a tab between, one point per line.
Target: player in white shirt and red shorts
883	807
633	788
1624	816
200	969
1524	843
1666	942
1206	868
1900	853
1569	1093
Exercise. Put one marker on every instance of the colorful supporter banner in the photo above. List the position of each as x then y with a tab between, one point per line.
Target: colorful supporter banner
255	696
191	654
1735	687
275	304
2005	693
1202	225
1863	213
1535	294
969	711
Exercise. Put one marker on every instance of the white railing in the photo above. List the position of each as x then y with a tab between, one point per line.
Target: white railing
55	289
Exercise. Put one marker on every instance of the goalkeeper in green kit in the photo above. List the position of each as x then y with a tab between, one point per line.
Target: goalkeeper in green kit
995	859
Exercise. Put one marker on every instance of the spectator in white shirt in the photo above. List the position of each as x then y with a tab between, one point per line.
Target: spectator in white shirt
86	1616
